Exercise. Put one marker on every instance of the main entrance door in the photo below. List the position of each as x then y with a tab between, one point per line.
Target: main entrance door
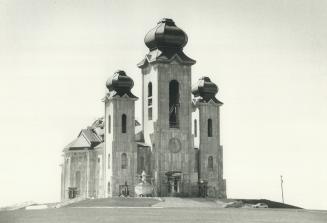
174	186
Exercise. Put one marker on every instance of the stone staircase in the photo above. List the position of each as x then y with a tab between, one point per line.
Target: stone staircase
175	202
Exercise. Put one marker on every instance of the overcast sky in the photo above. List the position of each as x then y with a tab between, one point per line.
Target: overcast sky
269	59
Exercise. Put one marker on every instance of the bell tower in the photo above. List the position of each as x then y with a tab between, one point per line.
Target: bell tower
120	147
207	114
167	109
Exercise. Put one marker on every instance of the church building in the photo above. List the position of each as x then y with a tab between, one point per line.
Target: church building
176	148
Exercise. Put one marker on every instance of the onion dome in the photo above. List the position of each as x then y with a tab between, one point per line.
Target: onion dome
166	35
165	42
120	84
206	90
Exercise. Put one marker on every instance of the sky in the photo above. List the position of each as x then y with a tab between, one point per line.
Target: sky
268	58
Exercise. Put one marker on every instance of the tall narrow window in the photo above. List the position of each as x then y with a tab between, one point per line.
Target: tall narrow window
210	163
150	101
123	123
109	161
209	127
109	124
149	89
108	187
142	164
173	104
196	160
124	161
195	128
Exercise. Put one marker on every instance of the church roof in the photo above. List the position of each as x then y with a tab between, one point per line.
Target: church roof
89	137
79	143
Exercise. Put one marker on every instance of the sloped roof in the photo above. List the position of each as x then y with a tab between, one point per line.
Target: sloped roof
100	146
79	143
91	136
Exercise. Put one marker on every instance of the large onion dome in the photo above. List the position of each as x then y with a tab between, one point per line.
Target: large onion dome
166	42
120	84
165	35
206	90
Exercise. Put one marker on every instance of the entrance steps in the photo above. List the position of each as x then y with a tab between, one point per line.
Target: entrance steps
176	202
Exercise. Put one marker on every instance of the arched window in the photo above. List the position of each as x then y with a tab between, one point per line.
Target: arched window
150	89
124	161
109	124
210	163
173	104
109	161
123	123
195	128
142	163
209	127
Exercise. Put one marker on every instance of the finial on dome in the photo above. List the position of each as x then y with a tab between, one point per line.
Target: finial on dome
166	35
120	83
206	89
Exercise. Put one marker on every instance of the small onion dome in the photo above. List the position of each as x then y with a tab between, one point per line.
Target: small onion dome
166	35
206	90
120	83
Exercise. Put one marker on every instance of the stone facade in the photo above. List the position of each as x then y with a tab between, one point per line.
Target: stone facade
178	143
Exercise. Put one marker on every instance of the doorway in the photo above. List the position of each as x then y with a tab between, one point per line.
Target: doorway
174	185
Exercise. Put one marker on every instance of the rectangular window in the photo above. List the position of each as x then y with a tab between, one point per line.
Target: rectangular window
195	128
196	160
149	101
108	161
150	113
209	127
210	163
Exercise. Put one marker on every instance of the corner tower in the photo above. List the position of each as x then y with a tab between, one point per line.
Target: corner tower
207	114
120	146
167	109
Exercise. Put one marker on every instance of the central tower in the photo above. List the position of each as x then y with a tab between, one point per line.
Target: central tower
167	109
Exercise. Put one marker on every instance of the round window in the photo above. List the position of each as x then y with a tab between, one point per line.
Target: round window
174	145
